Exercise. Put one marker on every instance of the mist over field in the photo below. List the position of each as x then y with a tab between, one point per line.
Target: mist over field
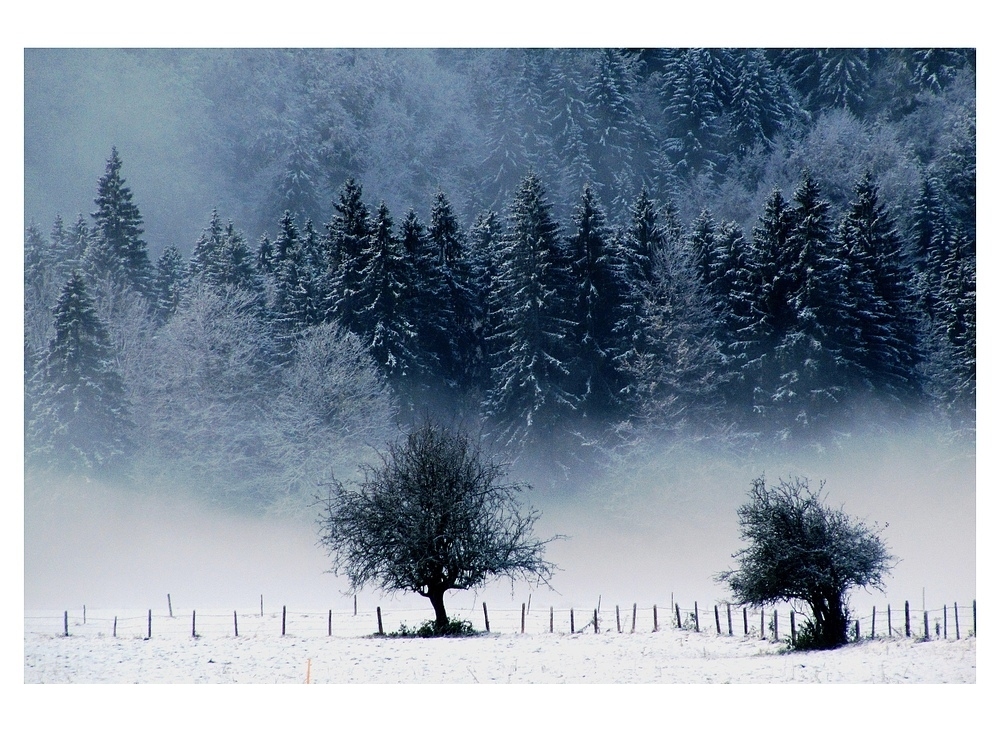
659	530
645	277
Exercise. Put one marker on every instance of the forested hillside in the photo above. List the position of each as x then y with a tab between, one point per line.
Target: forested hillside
574	251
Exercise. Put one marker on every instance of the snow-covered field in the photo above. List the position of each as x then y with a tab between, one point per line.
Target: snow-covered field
100	652
96	653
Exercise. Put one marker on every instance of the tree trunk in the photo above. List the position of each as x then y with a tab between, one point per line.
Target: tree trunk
831	621
437	601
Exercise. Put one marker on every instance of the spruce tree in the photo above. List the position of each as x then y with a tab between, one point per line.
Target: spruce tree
168	283
811	382
206	257
485	238
381	320
530	305
423	305
693	113
117	250
599	280
638	247
80	422
884	339
458	349
347	238
761	106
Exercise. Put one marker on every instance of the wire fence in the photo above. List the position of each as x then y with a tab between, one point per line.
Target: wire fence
777	624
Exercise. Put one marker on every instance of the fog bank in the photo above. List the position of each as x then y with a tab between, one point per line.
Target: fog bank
659	529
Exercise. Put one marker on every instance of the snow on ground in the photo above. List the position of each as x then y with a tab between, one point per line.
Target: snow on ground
99	652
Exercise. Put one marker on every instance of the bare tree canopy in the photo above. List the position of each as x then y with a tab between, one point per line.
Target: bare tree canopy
433	516
800	549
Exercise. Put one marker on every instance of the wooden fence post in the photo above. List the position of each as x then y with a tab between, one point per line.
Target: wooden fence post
857	630
873	623
656	622
635	609
572	625
170	607
262	605
329	623
697	627
522	617
973	617
958	630
66	624
149	625
677	608
729	618
718	627
355	605
596	630
946	621
618	619
888	618
194	631
114	627
284	611
486	617
906	613
762	623
236	625
791	620
552	619
927	629
746	623
85	614
378	614
775	625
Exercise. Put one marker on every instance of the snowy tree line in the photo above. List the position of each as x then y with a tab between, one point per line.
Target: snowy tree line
250	369
257	367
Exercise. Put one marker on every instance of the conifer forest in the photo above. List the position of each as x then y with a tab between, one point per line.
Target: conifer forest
576	254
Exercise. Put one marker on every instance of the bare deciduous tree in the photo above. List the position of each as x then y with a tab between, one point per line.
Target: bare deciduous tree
800	549
433	516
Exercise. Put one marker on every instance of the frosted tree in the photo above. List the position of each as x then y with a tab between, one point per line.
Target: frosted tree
485	238
347	237
206	256
692	111
530	304
810	381
458	345
117	250
331	404
830	77
761	105
168	283
951	363
676	371
733	292
620	139
598	274
884	344
515	124
40	290
424	302
638	247
382	321
207	389
569	124
81	422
